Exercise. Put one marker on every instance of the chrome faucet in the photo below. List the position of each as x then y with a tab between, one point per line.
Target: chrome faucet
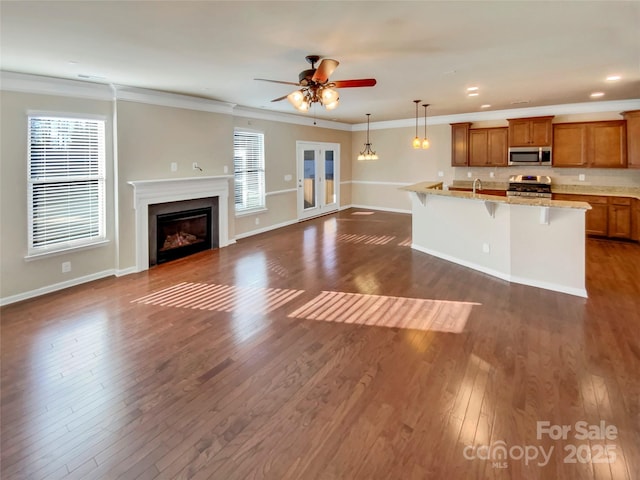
479	183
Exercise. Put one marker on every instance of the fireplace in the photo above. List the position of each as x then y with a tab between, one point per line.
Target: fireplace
179	229
147	194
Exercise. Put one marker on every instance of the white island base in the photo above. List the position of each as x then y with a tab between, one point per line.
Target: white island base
533	242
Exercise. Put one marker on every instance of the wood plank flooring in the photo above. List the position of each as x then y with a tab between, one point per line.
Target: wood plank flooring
246	378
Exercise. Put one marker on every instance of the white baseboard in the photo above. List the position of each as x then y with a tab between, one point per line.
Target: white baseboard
265	229
55	287
125	271
579	292
383	209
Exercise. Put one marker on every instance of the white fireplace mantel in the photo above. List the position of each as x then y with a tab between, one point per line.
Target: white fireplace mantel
149	192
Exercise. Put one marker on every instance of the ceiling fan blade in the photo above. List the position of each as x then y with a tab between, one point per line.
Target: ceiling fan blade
280	98
362	82
324	70
277	81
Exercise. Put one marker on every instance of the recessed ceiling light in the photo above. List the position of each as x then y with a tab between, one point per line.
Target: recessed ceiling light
472	89
473	94
486	105
613	78
597	94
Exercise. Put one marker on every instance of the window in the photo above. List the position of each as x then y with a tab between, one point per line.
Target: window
248	163
66	176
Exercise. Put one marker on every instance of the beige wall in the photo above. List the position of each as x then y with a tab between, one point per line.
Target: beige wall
280	160
377	183
150	138
18	275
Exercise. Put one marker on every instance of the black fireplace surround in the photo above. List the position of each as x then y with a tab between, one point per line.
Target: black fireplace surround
179	229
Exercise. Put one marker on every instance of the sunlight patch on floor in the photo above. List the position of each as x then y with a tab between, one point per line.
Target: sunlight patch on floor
222	298
362	213
385	311
365	239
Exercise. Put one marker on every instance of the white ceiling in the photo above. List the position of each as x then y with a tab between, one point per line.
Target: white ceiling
544	53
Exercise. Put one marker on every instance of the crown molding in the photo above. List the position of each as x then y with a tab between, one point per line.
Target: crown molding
564	109
289	118
38	84
166	99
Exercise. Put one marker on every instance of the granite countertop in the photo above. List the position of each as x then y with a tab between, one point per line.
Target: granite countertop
431	188
633	192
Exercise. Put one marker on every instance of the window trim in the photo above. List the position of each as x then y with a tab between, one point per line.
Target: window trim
34	253
263	206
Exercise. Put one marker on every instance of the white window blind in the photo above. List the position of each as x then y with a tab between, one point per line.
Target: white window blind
248	161
66	175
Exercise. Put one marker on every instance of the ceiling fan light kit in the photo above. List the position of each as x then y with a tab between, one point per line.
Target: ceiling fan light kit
367	153
316	87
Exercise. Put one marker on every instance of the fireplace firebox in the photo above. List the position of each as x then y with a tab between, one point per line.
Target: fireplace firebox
183	233
178	229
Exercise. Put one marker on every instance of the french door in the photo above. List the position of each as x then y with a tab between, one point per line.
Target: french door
318	178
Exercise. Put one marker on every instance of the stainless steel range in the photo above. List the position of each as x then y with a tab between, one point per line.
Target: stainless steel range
529	186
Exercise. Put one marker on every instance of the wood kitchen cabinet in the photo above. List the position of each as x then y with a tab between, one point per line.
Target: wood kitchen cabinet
460	144
619	217
488	147
635	220
534	131
609	216
590	144
633	138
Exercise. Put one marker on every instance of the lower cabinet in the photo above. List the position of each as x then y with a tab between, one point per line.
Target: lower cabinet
609	216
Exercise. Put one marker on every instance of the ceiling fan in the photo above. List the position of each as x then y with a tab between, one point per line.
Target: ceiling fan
315	85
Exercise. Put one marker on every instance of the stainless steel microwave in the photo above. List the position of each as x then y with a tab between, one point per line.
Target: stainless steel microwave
530	156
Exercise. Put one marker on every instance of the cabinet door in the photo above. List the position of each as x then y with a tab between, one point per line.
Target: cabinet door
460	144
498	149
569	145
519	135
635	220
633	138
620	217
607	142
597	218
478	147
541	132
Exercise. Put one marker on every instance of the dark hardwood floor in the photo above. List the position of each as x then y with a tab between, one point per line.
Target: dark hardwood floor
233	364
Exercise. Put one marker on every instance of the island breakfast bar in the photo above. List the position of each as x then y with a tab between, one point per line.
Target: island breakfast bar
532	241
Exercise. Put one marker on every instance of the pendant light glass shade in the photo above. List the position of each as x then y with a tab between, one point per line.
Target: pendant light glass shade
367	153
425	142
416	141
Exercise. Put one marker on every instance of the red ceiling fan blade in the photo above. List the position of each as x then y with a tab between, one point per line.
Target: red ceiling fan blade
362	82
277	81
324	70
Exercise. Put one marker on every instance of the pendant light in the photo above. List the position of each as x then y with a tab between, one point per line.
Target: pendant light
367	153
416	141
425	142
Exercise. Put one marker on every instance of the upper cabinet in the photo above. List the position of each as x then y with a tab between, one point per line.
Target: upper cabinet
633	138
488	147
590	144
530	132
460	144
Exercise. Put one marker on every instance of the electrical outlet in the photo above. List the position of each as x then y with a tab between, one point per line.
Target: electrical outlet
441	174
492	175
174	167
195	166
581	177
66	267
257	220
288	178
468	174
486	248
226	169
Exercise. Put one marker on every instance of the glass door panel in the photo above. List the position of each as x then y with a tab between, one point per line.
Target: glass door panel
309	179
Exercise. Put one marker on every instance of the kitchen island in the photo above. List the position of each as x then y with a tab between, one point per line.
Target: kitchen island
532	241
